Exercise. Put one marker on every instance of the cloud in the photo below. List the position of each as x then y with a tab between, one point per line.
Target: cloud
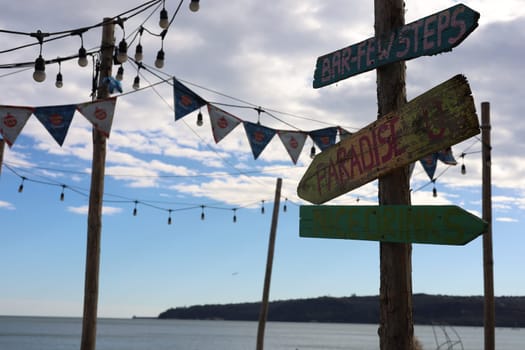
6	205
106	210
506	219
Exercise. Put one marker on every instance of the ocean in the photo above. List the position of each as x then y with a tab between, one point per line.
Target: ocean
60	333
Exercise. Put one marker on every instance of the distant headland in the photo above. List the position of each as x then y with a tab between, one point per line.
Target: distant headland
428	309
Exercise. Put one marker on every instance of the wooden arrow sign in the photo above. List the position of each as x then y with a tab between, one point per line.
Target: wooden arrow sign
448	224
431	35
441	117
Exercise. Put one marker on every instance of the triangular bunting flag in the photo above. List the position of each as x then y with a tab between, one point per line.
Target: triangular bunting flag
56	119
12	121
99	113
293	141
222	122
186	101
447	157
324	138
429	163
343	134
259	136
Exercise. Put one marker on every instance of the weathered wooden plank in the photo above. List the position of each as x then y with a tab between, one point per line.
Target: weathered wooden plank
428	36
447	224
435	120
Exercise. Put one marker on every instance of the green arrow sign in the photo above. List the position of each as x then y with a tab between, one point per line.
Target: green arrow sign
448	224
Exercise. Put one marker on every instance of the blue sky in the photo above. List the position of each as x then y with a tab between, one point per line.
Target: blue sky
248	54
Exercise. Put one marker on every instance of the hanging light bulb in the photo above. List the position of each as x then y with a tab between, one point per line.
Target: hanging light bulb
62	193
262	207
312	152
199	119
138	53
164	21
120	73
21	187
194	5
284	206
234	215
82	57
122	55
136	83
159	62
434	190
135	209
463	169
59	82
202	212
169	217
40	70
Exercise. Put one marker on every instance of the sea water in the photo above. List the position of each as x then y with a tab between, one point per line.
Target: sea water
56	333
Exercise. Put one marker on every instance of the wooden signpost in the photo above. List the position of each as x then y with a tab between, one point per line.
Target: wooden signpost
427	36
441	117
448	224
403	133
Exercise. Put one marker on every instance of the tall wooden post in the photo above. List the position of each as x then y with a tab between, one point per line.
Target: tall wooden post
488	263
2	146
89	321
396	329
263	315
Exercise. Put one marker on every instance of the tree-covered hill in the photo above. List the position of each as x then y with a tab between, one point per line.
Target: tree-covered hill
428	309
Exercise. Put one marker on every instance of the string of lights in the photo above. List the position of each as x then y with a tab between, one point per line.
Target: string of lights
169	207
42	38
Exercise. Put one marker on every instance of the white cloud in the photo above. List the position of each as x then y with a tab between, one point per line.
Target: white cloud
6	205
83	210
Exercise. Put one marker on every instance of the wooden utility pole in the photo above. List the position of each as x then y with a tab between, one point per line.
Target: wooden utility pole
269	263
94	229
2	146
488	262
396	328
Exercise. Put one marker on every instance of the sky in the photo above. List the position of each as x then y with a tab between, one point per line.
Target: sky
240	55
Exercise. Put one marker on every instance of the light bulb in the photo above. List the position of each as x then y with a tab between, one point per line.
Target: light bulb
463	169
136	83
138	53
122	55
199	119
312	152
164	22
82	57
194	5
40	70
120	73
159	62
59	82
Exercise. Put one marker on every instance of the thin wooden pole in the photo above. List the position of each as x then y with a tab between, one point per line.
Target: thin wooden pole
396	328
488	262
263	315
2	147
94	229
